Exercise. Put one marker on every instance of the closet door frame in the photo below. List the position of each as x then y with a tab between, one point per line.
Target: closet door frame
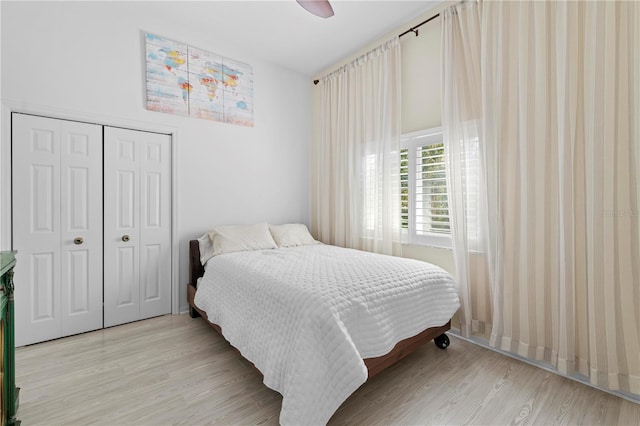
6	235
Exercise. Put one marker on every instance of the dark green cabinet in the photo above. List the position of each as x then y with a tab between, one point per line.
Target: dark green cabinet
9	392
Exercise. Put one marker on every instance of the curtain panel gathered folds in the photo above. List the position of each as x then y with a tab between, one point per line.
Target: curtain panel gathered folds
356	161
546	97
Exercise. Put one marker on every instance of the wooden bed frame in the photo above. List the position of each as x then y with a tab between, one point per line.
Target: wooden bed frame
374	365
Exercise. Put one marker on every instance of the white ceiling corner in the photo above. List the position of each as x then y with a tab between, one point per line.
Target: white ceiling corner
284	33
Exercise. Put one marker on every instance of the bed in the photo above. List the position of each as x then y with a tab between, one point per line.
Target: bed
314	373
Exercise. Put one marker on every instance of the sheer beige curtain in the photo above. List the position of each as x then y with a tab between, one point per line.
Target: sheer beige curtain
556	99
461	119
356	161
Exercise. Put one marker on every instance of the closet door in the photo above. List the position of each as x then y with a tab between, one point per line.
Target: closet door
57	227
137	225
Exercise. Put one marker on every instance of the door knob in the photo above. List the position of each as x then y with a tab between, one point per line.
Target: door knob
78	240
125	238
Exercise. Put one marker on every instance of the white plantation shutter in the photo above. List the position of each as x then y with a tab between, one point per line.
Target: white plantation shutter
423	183
404	190
432	211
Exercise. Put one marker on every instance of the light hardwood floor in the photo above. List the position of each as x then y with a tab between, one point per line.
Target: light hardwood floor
175	370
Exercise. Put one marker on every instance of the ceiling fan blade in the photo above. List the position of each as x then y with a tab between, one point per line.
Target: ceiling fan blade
321	8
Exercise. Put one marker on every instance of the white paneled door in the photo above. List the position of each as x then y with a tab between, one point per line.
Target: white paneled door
57	227
137	228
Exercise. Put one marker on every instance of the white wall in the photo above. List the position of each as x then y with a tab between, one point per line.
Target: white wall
87	58
421	88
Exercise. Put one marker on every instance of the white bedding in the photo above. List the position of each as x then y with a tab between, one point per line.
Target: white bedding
306	316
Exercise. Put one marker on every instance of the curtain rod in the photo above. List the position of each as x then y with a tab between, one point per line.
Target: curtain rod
415	29
410	30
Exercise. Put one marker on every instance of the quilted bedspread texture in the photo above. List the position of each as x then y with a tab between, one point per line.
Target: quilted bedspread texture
307	316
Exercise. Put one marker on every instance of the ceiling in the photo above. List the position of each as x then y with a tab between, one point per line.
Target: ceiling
284	33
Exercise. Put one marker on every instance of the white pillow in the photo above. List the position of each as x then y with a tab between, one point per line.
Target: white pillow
230	239
291	235
206	248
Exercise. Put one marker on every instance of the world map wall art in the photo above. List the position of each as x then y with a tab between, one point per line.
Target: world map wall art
188	81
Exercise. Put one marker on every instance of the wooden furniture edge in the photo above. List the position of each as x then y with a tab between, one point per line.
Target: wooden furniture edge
10	400
403	349
375	365
196	270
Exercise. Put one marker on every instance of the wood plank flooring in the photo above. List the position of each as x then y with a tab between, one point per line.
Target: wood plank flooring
174	370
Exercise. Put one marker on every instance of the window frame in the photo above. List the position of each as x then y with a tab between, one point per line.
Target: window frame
411	142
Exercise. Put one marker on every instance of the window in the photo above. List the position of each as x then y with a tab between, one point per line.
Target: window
423	189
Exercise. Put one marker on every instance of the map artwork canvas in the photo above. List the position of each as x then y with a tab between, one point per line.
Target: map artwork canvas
185	80
167	77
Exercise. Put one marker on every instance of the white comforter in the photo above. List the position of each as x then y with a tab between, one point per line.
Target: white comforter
307	316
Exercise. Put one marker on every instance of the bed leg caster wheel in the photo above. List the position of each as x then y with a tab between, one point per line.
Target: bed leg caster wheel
442	341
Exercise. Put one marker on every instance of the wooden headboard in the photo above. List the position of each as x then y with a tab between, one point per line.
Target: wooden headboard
196	270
